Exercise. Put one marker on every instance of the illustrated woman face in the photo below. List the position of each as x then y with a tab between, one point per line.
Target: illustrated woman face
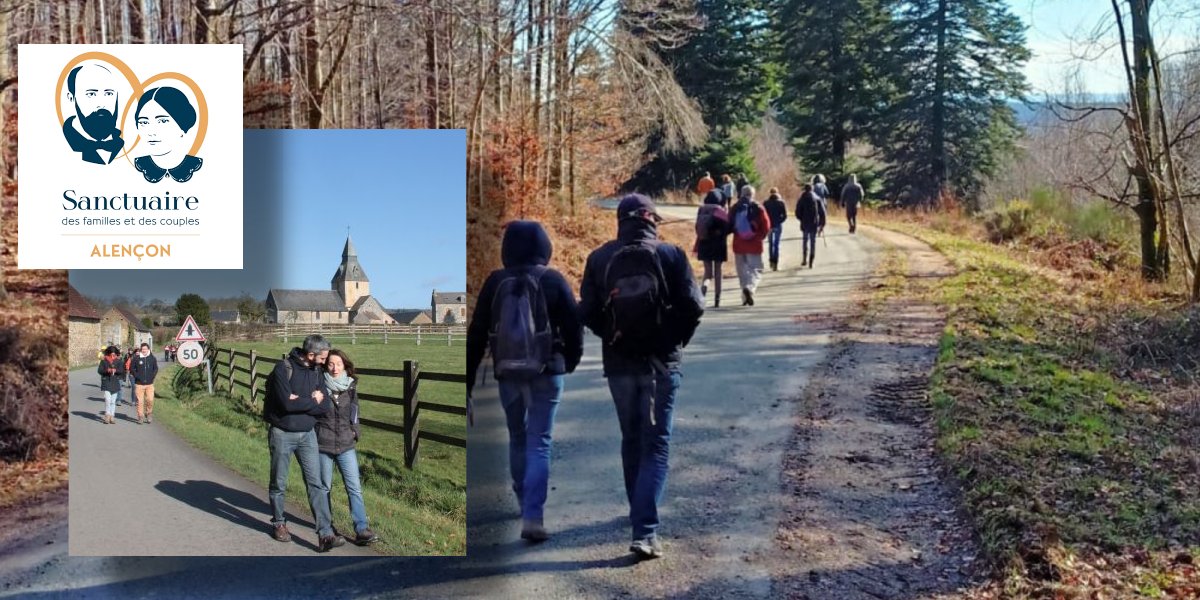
334	365
162	133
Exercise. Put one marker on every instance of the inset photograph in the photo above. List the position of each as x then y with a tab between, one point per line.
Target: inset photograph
313	402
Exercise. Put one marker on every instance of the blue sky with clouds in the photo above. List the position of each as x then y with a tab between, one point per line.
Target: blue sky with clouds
402	193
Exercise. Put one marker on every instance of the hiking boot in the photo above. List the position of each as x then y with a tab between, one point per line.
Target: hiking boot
774	265
647	548
280	533
330	542
532	530
717	302
704	290
149	418
810	263
745	296
141	421
365	537
750	297
804	263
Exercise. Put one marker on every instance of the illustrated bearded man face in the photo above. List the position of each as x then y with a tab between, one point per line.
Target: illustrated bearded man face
91	88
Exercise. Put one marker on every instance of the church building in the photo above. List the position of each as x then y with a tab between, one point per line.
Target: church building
349	300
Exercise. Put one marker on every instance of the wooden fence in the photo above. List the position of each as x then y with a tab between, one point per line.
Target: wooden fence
421	333
411	375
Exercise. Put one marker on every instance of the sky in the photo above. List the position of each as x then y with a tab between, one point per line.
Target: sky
401	192
1059	31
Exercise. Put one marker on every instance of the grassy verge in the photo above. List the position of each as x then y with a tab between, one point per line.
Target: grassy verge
1080	476
416	512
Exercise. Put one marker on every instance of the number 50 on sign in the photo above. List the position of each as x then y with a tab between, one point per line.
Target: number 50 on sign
191	354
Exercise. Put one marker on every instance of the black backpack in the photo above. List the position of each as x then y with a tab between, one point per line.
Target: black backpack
637	301
269	388
521	340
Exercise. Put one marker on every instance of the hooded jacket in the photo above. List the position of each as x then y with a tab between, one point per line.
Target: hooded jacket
686	303
527	245
337	429
810	211
298	414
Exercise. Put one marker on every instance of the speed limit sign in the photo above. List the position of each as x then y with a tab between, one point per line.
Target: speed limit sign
191	354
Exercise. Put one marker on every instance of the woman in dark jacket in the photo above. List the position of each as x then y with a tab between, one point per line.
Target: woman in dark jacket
711	246
777	212
337	435
112	371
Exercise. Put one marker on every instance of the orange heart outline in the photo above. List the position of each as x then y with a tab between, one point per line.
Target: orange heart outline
138	89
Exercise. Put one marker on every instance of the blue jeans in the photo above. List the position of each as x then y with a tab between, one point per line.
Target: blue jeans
645	441
530	420
303	444
808	244
347	464
773	238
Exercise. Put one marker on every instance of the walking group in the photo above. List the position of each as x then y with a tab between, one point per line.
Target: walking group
751	223
639	295
135	371
311	408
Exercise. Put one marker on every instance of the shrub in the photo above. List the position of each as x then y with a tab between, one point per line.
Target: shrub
32	404
1009	222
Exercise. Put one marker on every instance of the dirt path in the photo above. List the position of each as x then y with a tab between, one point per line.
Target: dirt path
139	490
868	515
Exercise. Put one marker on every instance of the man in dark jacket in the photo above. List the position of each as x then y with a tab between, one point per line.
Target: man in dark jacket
644	379
295	398
810	211
777	213
144	368
531	400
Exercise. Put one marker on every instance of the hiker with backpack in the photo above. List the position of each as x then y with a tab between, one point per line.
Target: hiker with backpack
337	437
820	189
526	313
712	227
295	398
810	211
777	214
852	194
639	295
750	227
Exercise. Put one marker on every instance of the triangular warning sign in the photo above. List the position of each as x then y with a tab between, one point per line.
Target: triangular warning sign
190	332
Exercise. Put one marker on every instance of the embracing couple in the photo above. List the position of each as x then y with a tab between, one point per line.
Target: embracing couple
312	408
639	295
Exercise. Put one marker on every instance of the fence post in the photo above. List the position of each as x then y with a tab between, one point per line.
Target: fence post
385	331
231	355
353	336
412	428
418	335
253	375
448	337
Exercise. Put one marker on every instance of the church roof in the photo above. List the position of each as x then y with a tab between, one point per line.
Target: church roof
328	300
349	269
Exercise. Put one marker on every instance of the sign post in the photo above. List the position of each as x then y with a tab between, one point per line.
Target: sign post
191	353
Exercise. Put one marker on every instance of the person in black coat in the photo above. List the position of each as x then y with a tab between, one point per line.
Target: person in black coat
643	378
712	244
530	400
810	211
337	438
777	212
112	371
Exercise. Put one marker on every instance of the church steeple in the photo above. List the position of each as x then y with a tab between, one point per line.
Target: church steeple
350	281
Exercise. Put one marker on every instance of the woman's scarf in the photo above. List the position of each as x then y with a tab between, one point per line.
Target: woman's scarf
338	384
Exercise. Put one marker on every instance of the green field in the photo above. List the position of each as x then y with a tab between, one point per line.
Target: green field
416	512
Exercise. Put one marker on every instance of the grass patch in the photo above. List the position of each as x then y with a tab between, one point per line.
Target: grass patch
416	512
1053	444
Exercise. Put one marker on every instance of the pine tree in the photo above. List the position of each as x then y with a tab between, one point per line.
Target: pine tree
726	67
836	76
961	64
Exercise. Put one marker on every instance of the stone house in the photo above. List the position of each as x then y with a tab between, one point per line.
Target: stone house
449	307
123	328
83	325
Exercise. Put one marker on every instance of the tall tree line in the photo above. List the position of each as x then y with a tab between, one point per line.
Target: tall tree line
925	83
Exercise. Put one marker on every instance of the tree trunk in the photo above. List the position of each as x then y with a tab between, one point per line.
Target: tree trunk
1149	208
312	65
431	76
938	143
